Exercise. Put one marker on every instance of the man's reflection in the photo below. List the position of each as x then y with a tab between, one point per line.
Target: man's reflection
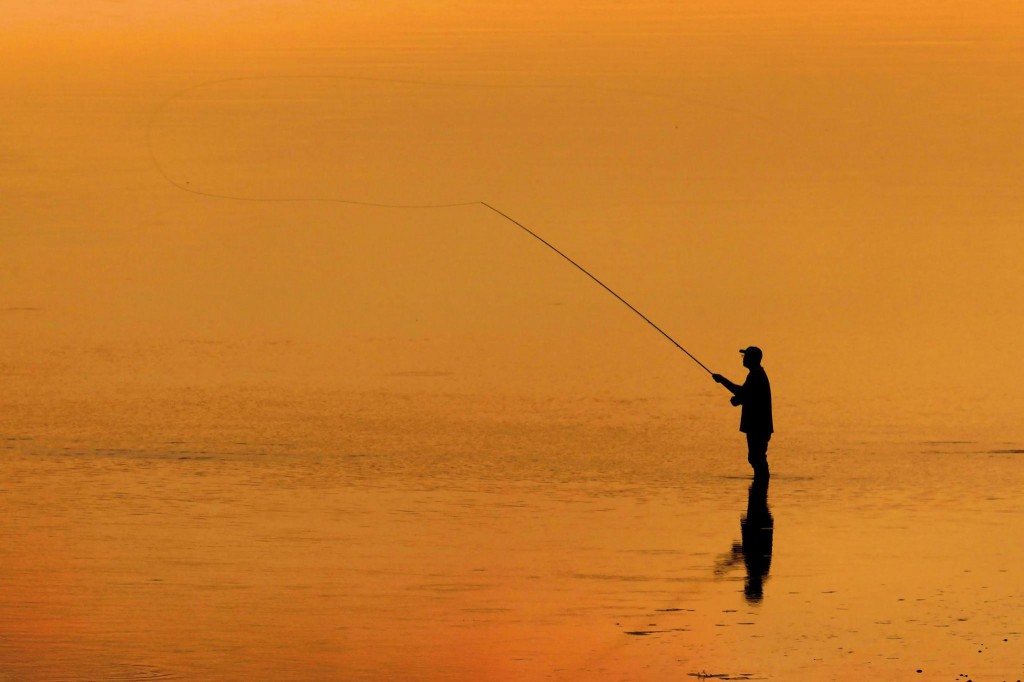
755	548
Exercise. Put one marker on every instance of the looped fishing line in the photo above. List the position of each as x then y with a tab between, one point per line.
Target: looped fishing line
217	195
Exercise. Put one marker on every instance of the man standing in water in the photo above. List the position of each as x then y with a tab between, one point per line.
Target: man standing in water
755	395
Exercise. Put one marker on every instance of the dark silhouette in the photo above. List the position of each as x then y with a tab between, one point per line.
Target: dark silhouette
755	395
757	531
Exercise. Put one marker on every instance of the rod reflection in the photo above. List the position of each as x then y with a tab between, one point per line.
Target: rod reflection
754	549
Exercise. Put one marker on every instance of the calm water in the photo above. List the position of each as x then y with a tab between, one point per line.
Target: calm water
280	437
443	537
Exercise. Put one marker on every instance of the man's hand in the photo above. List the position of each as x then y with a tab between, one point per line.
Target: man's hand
735	400
718	378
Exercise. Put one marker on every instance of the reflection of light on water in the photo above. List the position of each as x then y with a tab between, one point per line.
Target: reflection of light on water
307	442
564	555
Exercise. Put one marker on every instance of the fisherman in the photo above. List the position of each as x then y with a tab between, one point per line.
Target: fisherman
755	395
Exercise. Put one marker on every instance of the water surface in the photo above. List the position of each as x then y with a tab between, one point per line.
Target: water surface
276	436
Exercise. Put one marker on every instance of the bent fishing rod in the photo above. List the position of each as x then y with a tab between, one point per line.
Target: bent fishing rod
184	186
199	192
591	276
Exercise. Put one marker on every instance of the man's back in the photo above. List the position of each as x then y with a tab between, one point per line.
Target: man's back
756	399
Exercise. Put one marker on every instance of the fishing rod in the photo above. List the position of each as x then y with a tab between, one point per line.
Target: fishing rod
214	195
604	286
186	187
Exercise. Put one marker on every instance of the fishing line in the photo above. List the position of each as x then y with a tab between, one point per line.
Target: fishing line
217	195
586	272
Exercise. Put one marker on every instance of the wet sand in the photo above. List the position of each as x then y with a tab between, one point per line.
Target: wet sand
540	546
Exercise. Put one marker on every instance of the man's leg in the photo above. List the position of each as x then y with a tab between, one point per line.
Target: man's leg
757	453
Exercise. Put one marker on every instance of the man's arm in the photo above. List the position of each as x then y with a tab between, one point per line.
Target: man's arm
736	389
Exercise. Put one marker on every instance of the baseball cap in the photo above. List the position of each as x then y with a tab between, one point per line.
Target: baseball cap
753	350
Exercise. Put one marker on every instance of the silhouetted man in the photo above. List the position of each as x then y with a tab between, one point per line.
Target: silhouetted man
755	395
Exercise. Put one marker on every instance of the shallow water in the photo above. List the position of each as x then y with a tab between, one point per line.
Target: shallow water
570	551
303	440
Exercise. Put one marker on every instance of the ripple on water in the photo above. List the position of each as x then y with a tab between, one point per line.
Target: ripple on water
122	672
127	672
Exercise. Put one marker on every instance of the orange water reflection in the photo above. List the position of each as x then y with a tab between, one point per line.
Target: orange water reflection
211	560
313	441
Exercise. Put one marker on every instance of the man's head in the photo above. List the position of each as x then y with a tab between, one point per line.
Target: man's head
751	357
